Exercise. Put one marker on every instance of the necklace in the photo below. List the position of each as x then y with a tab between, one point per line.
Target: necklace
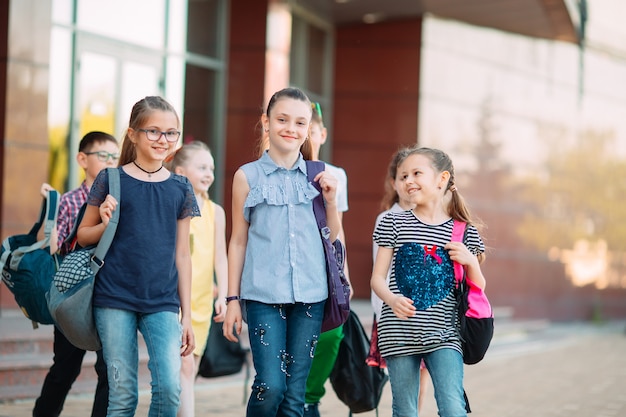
146	171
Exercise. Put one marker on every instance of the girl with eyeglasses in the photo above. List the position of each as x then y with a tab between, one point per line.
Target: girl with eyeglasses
145	283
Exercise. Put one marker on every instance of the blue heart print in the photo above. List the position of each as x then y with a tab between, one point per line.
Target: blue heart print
425	274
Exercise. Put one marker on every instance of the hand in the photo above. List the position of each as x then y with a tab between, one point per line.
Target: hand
45	187
188	343
402	307
220	310
460	253
328	184
233	320
106	209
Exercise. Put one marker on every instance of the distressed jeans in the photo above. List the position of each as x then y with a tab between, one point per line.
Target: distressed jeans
282	341
162	333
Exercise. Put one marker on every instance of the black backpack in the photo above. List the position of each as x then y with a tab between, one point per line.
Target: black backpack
221	356
357	385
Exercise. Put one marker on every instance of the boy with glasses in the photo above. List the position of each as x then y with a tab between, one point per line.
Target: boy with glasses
96	151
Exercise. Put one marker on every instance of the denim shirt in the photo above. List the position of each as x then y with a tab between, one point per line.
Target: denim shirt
284	261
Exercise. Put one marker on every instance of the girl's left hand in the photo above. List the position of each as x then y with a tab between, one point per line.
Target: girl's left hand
220	310
328	184
460	253
188	340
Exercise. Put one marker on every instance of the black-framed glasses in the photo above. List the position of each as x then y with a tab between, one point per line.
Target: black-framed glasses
104	156
155	134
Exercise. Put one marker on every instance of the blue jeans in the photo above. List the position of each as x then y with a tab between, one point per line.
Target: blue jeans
446	371
162	333
282	340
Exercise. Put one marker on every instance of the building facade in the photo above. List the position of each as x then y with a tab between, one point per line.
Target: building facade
384	73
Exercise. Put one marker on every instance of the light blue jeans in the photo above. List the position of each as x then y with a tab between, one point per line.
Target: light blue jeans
162	333
446	371
282	340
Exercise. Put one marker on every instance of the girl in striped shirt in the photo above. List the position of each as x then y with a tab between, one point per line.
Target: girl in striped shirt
418	319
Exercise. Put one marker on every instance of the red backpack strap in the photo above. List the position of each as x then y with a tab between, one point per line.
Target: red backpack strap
458	230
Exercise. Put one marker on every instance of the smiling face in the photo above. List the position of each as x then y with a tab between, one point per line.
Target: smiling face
288	124
200	170
148	151
418	181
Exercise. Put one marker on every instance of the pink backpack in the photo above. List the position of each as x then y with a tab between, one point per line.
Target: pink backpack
473	309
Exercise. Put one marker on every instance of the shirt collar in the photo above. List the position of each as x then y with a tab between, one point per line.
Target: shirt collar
269	166
84	188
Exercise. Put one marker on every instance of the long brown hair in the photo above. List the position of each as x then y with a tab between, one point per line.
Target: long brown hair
139	114
391	195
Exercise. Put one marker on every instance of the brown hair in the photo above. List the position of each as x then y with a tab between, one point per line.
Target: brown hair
93	137
391	195
293	93
457	208
138	115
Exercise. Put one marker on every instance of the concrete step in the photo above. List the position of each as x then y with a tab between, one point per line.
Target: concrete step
26	356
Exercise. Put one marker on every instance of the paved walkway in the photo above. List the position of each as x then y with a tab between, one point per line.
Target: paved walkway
573	370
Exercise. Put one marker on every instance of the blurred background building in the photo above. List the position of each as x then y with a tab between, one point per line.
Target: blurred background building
527	96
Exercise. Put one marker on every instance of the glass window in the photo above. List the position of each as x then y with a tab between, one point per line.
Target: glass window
138	81
204	27
316	59
199	106
59	96
311	55
62	11
138	21
96	93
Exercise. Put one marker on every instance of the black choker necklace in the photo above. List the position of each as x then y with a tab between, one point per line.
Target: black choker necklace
148	172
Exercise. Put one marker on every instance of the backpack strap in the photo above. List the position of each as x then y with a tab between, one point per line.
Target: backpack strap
97	260
312	169
52	212
458	234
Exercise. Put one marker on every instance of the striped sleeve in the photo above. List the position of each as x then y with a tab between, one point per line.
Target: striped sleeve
385	233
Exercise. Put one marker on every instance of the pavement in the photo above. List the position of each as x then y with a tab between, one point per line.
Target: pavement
533	368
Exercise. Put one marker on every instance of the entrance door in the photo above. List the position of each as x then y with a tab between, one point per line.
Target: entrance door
108	81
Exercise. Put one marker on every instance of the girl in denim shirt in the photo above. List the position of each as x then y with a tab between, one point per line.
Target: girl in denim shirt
276	265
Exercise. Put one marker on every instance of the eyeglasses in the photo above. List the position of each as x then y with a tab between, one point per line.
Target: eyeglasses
316	108
154	134
104	156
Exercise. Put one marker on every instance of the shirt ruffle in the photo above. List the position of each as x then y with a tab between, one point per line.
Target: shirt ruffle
274	195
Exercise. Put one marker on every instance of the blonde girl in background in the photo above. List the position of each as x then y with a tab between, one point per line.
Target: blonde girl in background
208	259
